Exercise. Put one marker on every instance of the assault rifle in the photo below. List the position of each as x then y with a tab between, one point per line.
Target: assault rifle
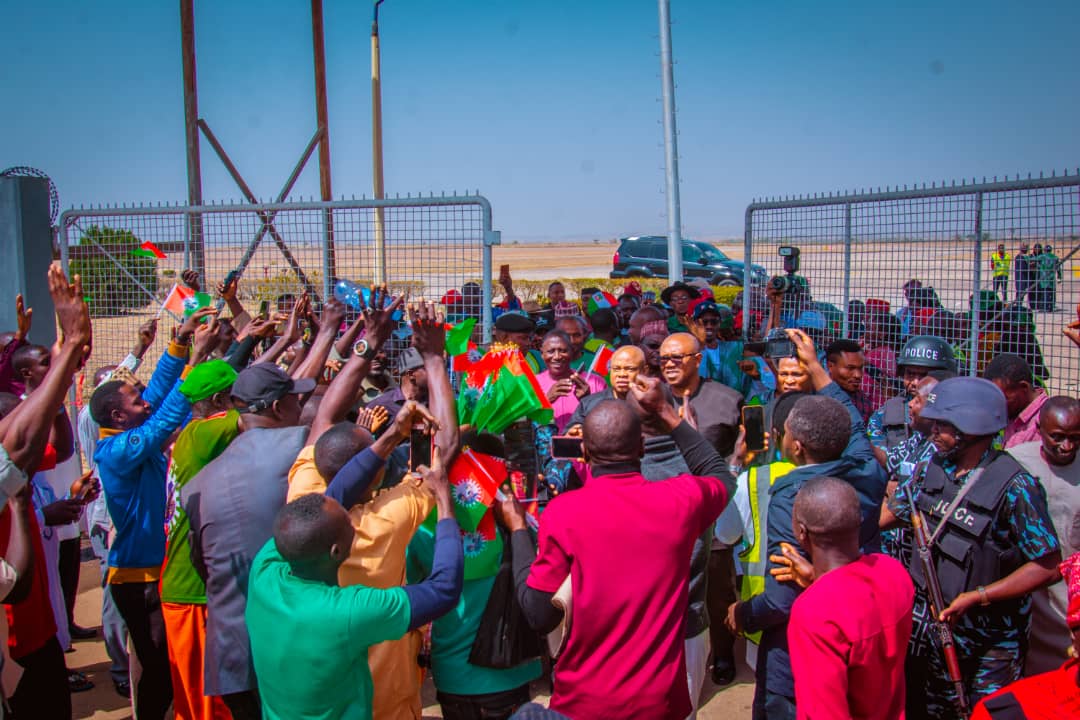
937	602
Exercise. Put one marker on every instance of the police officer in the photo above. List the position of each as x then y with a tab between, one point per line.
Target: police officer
991	538
890	425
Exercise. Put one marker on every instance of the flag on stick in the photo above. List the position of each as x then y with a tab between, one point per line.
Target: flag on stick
601	363
149	250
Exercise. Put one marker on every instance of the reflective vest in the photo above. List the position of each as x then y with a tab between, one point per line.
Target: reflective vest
1001	264
755	558
966	554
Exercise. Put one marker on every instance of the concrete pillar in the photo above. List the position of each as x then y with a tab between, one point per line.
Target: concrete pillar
25	254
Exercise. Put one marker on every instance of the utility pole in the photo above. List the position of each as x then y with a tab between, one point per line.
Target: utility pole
671	149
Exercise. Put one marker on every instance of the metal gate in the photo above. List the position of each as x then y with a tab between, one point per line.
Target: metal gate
431	245
861	252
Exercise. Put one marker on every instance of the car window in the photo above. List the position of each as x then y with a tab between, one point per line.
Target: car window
658	250
708	251
632	248
691	253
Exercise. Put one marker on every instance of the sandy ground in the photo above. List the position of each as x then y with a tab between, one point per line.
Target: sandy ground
102	703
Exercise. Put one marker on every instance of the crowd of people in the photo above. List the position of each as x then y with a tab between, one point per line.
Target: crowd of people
300	514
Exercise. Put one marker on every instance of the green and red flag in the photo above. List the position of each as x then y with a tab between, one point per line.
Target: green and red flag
474	480
459	344
600	300
601	362
149	250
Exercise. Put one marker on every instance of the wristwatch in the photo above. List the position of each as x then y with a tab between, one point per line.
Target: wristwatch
364	349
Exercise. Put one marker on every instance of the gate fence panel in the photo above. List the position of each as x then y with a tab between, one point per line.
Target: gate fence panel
432	245
859	251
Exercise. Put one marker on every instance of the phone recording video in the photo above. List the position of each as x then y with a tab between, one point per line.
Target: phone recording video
753	418
566	447
419	448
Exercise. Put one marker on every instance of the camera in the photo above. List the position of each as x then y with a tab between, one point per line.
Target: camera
788	283
778	345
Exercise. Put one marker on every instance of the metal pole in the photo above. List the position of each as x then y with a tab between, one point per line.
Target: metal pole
322	118
976	305
748	241
847	268
197	257
671	150
377	149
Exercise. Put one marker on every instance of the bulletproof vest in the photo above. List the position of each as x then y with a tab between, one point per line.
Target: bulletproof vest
894	421
965	553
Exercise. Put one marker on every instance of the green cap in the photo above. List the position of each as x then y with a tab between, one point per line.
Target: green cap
207	378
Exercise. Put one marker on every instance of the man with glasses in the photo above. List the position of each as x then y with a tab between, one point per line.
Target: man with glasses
721	349
678	297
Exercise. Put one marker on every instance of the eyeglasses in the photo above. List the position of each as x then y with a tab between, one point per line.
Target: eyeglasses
676	359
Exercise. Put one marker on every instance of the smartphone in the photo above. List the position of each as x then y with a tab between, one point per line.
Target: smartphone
753	420
233	274
264	309
419	448
87	488
566	447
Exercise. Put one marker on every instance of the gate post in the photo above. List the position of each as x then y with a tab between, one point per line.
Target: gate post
748	274
847	268
26	253
976	304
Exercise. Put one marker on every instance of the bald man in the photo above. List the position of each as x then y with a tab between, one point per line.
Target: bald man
1053	460
625	543
309	636
626	364
713	407
849	630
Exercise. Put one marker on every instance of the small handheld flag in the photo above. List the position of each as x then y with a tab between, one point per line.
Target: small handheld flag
149	250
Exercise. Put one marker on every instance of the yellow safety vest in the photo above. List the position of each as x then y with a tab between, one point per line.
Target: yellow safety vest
755	558
1001	264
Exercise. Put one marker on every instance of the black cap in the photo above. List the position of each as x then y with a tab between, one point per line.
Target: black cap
514	322
409	360
258	386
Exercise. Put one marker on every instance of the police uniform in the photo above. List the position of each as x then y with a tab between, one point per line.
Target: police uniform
998	524
889	426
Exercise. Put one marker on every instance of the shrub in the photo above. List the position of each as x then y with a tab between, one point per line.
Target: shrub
537	289
108	288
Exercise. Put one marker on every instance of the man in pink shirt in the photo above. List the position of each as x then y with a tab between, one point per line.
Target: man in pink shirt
1023	400
562	384
849	630
625	543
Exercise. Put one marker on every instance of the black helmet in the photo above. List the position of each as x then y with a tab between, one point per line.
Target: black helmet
927	351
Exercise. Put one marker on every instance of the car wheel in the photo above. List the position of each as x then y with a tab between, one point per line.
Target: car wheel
725	282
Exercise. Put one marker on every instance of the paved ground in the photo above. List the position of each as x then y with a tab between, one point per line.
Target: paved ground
102	703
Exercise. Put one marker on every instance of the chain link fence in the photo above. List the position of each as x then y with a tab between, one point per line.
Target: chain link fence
432	245
882	266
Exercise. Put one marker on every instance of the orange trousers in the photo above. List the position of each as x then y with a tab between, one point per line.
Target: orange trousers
185	628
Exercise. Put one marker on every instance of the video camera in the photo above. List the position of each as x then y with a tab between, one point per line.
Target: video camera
778	345
788	283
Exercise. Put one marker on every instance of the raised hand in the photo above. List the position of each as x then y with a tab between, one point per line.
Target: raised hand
301	309
696	328
429	330
191	322
1072	330
411	414
509	513
71	311
333	313
373	418
23	317
580	387
804	347
379	321
436	482
191	279
206	340
559	389
228	292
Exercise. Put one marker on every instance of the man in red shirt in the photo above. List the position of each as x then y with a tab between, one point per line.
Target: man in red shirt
625	543
849	630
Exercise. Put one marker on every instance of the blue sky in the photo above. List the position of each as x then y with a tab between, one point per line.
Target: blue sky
549	109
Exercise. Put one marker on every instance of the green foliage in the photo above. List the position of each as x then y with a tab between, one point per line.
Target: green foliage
109	290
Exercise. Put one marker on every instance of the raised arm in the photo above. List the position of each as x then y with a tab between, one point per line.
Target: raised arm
429	339
228	292
344	390
439	593
312	366
19	554
25	430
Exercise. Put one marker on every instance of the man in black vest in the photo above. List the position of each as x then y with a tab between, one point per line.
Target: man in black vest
991	538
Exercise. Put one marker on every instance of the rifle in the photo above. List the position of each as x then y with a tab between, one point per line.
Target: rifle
937	603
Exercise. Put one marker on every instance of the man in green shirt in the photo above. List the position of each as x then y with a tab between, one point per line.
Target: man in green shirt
310	637
214	425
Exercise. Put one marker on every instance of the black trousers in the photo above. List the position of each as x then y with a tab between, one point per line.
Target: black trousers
70	560
140	606
42	692
244	705
492	706
720	593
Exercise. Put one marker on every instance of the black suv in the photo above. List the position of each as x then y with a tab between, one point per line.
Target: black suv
647	256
